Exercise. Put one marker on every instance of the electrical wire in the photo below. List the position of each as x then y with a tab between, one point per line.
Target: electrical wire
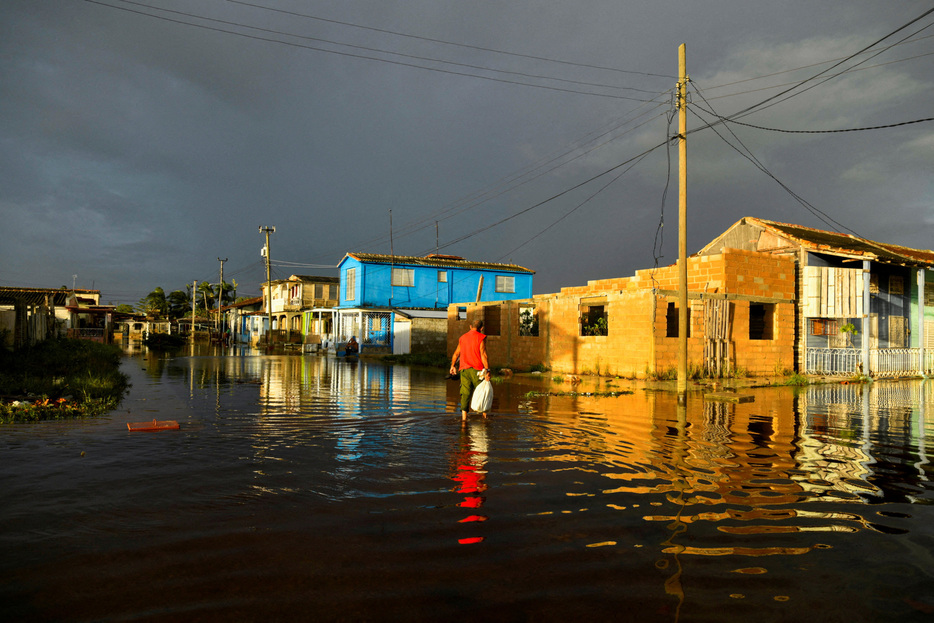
820	214
863	129
578	206
363	48
552	198
771	101
460	45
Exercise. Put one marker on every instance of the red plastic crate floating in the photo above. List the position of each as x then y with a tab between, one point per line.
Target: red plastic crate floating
153	425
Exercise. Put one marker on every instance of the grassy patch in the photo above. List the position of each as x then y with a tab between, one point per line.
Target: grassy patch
796	379
60	378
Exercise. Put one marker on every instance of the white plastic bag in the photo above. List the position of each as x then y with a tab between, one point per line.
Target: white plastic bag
482	398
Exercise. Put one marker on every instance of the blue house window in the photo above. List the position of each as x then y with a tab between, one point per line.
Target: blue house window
403	277
442	276
350	286
505	284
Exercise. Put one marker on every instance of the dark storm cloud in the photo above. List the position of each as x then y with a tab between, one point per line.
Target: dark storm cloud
135	151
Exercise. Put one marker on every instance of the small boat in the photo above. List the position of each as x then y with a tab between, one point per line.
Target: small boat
153	425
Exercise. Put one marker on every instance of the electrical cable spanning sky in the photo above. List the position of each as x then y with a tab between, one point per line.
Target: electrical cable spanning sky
157	131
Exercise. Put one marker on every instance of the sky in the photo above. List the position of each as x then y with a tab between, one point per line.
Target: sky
142	142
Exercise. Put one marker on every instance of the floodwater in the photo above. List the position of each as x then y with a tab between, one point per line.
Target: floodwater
310	488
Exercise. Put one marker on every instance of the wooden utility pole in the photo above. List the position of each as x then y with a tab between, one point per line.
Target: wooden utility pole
220	294
194	298
682	226
267	231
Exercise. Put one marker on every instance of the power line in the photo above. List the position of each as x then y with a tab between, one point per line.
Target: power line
552	198
864	129
762	105
820	214
578	206
461	45
365	48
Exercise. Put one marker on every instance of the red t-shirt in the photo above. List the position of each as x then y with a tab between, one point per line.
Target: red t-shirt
470	350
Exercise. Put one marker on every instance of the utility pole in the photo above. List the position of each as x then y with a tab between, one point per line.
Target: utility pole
194	298
267	231
220	294
682	226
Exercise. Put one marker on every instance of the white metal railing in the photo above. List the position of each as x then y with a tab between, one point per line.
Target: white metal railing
894	361
882	361
833	361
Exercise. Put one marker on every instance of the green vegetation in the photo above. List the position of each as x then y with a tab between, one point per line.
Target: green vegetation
539	367
60	378
796	379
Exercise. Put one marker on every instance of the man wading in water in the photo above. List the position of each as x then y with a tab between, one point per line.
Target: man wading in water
471	349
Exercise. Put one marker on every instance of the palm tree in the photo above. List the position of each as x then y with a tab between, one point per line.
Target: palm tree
154	303
179	302
206	294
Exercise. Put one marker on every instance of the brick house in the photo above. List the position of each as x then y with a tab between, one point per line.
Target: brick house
742	316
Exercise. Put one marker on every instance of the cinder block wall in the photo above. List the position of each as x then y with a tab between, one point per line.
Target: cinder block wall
429	335
636	342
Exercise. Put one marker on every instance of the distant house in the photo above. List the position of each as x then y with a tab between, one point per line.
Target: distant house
245	320
28	315
302	308
397	303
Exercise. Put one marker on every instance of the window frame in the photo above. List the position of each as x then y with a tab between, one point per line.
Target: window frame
402	277
350	284
505	284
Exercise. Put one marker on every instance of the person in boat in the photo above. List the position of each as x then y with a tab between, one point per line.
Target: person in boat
352	347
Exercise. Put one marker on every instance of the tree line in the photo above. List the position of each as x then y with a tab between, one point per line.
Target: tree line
178	303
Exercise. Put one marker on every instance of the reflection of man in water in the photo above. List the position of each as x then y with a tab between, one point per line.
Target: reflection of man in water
471	348
470	474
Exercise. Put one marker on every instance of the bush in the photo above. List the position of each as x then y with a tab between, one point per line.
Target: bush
60	378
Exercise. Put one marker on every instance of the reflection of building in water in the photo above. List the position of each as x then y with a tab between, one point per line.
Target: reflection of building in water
865	440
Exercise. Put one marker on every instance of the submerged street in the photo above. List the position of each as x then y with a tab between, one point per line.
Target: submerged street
315	488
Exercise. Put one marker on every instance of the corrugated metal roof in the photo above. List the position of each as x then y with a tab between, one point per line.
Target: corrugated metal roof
436	261
36	296
846	244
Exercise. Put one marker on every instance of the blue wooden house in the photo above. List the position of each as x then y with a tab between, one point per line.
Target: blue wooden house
374	287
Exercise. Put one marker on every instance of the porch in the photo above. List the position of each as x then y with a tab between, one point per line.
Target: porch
883	362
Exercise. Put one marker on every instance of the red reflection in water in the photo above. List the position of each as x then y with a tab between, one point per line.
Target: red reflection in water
470	460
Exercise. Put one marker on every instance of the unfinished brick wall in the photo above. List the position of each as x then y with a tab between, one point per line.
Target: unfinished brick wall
637	342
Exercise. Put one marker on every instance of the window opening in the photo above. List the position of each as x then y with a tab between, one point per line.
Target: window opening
761	316
594	320
528	321
672	321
